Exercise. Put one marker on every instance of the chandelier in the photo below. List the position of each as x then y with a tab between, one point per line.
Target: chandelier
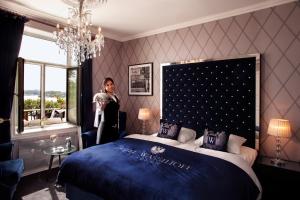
76	37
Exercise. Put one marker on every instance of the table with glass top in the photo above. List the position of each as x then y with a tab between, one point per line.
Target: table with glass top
58	151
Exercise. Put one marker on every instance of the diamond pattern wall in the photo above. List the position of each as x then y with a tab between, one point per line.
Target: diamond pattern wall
273	32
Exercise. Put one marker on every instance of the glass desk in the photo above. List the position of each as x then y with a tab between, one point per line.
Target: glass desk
58	151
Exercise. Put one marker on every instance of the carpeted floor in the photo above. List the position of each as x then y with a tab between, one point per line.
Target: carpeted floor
40	186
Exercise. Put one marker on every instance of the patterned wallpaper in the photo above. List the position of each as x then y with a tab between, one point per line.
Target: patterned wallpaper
273	32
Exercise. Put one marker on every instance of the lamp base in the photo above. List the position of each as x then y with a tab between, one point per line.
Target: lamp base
277	162
144	127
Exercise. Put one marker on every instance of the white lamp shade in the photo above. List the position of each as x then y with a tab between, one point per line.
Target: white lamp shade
144	114
280	128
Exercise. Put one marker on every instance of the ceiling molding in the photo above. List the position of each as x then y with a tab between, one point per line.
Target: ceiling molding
259	6
52	20
45	18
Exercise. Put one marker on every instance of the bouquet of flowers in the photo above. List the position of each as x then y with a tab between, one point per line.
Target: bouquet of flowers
100	97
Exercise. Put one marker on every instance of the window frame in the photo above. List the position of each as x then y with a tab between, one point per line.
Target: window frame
77	121
17	116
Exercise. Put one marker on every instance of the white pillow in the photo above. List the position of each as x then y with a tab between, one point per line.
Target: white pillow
248	154
199	141
154	134
53	121
26	123
186	135
234	143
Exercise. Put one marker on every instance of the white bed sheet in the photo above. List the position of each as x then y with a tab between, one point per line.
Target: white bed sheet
152	138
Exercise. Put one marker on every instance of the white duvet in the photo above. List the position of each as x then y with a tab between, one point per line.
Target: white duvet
233	158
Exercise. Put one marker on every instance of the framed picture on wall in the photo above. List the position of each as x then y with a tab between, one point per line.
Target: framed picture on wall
140	79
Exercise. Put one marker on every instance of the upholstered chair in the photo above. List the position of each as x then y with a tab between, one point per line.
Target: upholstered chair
10	171
89	137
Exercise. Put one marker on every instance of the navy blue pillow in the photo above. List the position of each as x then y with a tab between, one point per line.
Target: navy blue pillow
169	130
215	140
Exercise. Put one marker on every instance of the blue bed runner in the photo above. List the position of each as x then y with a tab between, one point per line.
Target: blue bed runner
137	169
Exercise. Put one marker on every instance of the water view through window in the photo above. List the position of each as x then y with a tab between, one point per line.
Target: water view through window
32	93
44	83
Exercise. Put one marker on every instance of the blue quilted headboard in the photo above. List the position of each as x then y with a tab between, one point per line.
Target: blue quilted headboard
219	95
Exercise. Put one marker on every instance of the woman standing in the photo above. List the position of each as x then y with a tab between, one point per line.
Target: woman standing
109	114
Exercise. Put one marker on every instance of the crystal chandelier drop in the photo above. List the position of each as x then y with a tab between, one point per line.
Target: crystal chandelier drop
76	37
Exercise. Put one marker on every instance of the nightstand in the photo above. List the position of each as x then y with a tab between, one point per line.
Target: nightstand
278	182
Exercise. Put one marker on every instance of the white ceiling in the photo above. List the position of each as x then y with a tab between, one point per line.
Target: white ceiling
128	19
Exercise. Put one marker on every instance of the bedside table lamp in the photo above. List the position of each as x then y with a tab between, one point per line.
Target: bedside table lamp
279	128
144	115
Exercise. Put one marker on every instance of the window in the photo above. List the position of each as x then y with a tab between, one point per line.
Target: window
46	88
33	48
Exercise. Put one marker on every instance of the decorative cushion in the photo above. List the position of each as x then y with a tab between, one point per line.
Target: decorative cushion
215	140
52	121
234	143
186	135
60	114
169	129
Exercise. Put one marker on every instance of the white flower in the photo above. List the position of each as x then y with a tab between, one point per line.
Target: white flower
101	96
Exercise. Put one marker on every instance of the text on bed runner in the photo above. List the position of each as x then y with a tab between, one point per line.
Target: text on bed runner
153	158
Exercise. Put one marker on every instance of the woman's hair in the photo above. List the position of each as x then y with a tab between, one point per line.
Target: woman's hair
105	81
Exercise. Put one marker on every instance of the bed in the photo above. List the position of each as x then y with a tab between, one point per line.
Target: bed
198	96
